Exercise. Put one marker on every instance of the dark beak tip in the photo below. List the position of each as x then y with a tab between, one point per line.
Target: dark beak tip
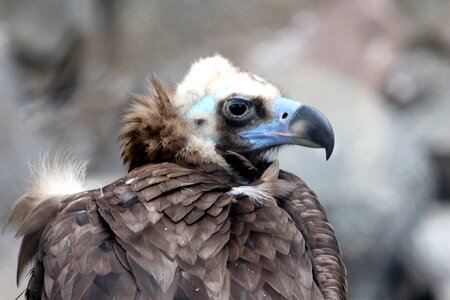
327	156
329	148
328	153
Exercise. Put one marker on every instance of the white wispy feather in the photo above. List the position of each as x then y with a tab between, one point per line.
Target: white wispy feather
257	195
62	175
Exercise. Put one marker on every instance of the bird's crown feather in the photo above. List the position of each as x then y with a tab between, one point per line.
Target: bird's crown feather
216	76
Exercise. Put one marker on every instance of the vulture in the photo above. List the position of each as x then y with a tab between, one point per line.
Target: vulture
204	211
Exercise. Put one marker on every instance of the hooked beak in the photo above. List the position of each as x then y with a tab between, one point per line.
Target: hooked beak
293	124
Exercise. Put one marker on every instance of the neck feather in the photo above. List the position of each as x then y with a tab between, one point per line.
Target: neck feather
154	131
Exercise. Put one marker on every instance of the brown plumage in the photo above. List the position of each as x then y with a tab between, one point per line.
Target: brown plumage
188	220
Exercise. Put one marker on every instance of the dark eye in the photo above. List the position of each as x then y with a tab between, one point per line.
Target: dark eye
237	108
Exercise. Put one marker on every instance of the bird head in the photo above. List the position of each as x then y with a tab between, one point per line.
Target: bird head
215	110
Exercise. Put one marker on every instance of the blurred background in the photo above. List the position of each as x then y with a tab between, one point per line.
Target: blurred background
378	69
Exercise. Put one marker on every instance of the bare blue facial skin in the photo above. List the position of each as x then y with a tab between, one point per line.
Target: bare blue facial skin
275	132
206	104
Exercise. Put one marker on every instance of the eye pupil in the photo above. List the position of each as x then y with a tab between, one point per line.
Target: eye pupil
238	109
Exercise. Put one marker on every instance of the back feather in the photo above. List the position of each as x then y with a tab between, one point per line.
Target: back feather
51	181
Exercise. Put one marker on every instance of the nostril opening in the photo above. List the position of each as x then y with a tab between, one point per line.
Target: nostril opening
284	115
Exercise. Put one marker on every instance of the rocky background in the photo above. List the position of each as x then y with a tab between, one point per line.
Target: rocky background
379	69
